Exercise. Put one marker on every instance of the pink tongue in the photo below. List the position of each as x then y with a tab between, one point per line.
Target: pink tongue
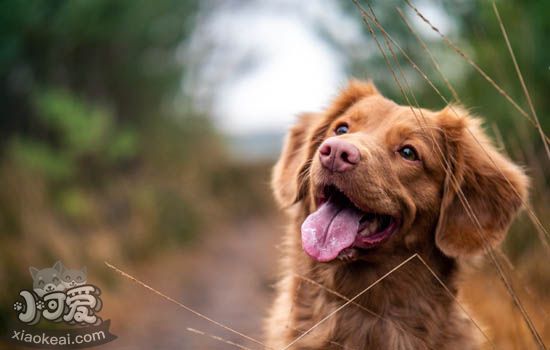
329	230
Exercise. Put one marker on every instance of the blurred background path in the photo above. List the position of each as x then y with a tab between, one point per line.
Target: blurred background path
227	277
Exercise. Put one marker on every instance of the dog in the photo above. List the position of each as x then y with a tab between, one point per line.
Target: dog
368	183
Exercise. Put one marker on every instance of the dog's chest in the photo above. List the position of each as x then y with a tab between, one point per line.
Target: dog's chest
373	322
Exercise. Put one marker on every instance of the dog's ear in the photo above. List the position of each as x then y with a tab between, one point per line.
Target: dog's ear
288	178
355	91
493	188
34	271
285	180
58	266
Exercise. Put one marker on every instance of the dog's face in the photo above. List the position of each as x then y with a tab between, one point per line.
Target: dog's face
374	177
376	172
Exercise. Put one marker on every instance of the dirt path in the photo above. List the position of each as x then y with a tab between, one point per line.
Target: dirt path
228	277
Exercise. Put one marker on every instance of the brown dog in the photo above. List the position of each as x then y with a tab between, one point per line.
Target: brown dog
367	184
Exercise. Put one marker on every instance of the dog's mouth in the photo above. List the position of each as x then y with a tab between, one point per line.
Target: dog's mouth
338	225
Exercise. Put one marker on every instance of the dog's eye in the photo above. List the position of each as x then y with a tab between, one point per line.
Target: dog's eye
341	129
409	153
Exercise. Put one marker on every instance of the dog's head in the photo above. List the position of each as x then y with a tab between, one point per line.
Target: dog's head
373	176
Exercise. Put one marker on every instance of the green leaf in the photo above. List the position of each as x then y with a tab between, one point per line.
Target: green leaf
40	157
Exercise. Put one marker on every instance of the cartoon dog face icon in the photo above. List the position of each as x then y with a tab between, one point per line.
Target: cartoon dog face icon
73	277
48	279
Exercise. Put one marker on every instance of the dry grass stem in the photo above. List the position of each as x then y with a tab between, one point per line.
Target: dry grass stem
164	296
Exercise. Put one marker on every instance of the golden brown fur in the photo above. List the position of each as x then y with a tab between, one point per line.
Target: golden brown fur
417	312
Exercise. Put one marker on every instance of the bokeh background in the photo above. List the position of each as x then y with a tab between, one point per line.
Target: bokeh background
142	133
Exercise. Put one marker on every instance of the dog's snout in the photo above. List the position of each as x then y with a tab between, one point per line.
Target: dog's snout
338	155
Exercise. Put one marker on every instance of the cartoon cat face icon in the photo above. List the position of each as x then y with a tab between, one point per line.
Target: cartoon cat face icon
73	277
47	280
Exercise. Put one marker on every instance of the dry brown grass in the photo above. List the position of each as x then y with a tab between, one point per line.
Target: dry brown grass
493	308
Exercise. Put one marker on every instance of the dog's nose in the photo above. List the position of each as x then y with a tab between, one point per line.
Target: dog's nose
338	155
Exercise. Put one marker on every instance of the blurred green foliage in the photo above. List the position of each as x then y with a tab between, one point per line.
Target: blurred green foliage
82	81
118	52
473	27
81	133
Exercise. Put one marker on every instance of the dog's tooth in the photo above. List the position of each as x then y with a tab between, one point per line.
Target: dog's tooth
370	228
373	226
